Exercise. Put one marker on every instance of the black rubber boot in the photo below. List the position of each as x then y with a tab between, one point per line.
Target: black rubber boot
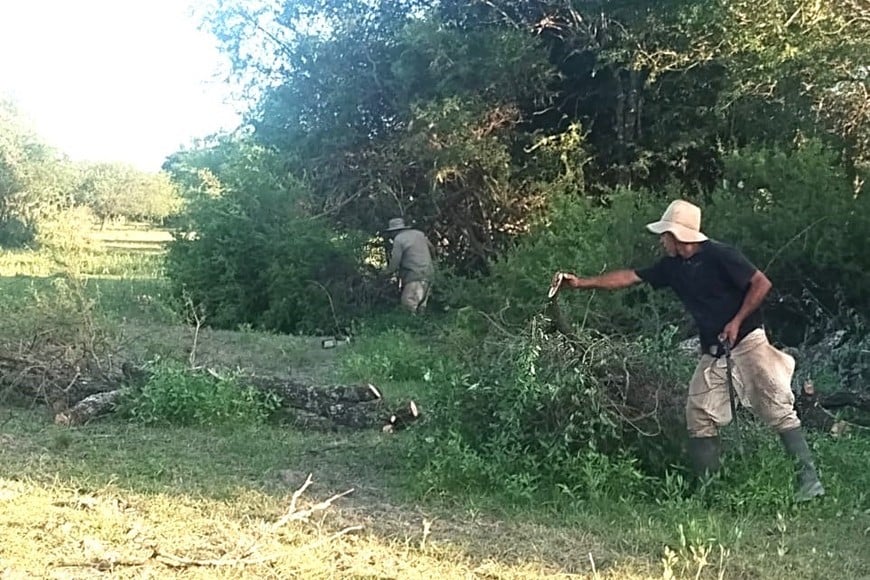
807	485
704	456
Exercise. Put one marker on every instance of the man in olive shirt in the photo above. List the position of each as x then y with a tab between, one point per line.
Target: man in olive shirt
411	259
722	291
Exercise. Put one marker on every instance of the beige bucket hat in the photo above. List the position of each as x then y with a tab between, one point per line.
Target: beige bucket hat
682	219
396	224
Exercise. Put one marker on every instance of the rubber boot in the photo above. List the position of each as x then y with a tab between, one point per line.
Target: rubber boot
807	485
704	456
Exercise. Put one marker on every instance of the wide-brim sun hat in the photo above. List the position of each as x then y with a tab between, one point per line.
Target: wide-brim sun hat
683	220
396	224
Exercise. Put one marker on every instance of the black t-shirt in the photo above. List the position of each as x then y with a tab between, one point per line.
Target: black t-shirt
712	285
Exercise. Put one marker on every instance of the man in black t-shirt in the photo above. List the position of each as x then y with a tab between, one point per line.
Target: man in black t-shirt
722	291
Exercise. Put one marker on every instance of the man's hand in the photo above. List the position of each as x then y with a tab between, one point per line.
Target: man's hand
569	280
730	332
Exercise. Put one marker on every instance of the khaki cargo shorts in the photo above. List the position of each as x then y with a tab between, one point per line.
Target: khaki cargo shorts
762	378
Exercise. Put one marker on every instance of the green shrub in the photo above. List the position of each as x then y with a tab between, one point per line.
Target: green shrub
796	215
245	259
177	396
15	233
392	355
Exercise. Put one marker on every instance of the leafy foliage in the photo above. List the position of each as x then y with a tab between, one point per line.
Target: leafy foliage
116	190
535	414
245	256
795	213
175	396
33	179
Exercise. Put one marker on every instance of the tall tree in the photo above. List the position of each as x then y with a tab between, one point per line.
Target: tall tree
35	180
113	190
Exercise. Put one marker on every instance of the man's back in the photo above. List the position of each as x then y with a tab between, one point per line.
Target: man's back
411	256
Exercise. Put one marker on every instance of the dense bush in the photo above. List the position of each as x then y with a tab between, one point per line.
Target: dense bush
295	276
538	412
798	216
245	252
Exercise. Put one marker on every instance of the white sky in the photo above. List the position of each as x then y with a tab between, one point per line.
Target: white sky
113	80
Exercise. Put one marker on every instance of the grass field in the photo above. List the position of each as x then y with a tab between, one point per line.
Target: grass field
116	499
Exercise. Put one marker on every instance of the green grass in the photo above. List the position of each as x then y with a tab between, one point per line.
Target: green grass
127	284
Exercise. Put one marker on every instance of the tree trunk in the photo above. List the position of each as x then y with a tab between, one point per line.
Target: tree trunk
88	408
316	399
354	406
814	408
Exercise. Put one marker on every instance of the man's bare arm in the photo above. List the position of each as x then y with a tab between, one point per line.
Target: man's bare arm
614	280
759	286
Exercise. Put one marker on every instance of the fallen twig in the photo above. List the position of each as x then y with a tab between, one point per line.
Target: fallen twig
178	562
293	515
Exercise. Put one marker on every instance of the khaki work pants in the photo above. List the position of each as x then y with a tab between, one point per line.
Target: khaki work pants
762	379
415	295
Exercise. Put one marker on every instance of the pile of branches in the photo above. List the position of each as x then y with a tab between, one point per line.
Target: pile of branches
645	396
56	373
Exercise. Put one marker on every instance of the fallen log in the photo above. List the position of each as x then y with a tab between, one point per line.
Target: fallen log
815	409
353	406
312	398
402	418
88	408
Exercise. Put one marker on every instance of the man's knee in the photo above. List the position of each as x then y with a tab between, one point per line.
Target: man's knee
780	417
701	423
409	302
707	405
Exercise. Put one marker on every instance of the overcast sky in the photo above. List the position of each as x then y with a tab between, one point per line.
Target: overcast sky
113	80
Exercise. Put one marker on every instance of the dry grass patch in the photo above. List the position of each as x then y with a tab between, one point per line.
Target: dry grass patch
57	531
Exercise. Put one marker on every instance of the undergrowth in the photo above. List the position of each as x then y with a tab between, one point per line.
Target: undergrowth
532	418
174	395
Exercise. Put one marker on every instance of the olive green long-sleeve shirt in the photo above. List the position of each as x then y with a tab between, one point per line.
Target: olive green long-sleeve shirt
412	256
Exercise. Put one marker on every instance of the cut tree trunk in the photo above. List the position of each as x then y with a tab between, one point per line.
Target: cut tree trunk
88	408
814	408
313	398
354	406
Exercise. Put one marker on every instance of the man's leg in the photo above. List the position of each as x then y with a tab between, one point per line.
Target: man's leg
768	372
413	294
808	483
427	290
707	409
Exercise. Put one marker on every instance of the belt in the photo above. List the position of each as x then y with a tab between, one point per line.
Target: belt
718	351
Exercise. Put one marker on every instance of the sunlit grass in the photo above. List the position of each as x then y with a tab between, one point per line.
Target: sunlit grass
125	283
128	499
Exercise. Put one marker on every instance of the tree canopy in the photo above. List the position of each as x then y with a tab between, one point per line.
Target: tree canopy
472	119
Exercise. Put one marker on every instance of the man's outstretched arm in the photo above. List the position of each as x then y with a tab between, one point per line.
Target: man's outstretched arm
614	280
